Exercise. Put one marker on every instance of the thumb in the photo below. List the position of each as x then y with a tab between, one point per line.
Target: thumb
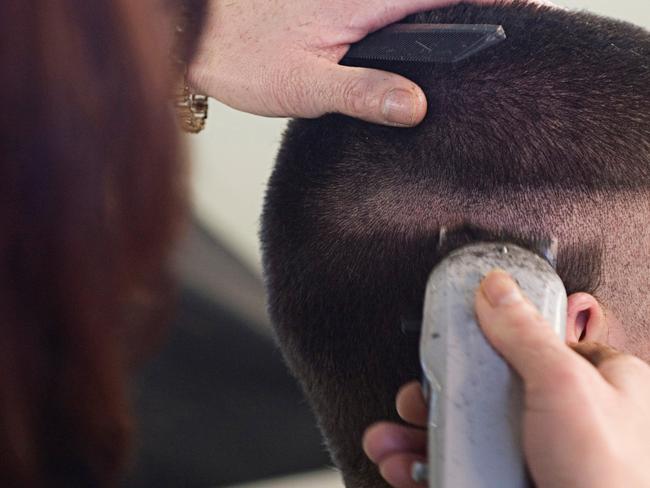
514	327
371	95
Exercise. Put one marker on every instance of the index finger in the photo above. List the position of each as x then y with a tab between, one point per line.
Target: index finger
388	11
411	405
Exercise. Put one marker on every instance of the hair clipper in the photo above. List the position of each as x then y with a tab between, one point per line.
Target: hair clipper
475	399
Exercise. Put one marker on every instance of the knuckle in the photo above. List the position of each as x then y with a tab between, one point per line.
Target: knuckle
288	89
565	379
356	20
364	16
524	319
356	96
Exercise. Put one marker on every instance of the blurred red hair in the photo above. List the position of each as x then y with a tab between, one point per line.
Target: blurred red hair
92	194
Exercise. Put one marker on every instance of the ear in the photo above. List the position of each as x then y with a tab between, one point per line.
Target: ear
585	319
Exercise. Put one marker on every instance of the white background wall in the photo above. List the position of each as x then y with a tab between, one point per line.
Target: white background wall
233	157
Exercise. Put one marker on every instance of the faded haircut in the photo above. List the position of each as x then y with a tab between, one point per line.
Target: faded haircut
545	135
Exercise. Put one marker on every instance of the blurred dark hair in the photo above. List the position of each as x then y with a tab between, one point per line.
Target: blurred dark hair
92	195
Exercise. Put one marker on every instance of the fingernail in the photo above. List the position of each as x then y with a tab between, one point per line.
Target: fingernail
399	107
419	472
500	289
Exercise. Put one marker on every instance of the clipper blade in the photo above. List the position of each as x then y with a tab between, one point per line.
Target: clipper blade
427	43
450	239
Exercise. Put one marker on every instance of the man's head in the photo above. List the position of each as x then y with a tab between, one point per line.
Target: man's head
547	134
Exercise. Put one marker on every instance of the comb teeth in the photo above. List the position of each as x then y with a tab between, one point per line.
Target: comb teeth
427	43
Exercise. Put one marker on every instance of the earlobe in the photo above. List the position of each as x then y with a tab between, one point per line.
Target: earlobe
585	319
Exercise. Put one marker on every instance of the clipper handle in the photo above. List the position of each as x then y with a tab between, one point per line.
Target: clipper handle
475	399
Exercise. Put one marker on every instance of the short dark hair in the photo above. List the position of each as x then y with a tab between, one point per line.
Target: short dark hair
521	138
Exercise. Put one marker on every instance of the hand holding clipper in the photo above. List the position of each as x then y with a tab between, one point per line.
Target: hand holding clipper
565	441
475	399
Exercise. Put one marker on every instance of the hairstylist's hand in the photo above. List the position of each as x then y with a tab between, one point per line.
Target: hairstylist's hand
586	421
280	58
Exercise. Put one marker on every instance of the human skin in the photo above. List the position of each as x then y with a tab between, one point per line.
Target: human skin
587	410
280	58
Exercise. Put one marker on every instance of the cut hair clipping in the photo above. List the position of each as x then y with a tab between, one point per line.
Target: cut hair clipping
427	43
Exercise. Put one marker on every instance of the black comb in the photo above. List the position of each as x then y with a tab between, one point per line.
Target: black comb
427	43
